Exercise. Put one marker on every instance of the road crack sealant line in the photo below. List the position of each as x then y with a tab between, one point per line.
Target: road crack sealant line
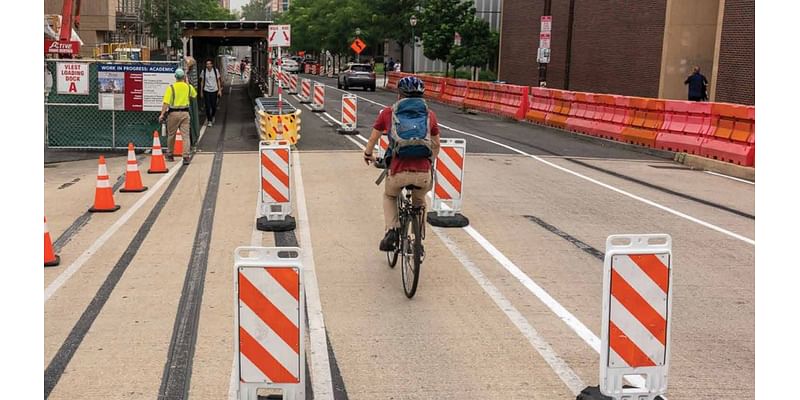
76	265
595	181
177	375
84	218
59	363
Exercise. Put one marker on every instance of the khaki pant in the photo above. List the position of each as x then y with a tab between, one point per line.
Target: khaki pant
394	185
175	120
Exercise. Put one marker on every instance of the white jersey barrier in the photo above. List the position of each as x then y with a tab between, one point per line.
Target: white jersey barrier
349	114
276	193
305	92
637	305
318	102
269	315
448	190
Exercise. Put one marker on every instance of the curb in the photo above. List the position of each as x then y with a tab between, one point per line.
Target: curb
722	167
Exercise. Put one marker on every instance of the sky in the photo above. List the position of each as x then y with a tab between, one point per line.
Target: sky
237	4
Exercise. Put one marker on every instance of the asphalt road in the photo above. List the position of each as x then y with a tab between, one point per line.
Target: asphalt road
488	320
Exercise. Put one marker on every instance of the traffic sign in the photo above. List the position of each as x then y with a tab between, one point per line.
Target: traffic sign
457	39
544	40
546	23
280	35
358	46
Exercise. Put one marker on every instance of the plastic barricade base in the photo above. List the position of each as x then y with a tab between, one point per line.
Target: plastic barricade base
536	116
733	152
642	137
287	224
593	393
679	142
456	220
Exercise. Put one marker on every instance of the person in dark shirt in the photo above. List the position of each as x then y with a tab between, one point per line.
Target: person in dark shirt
697	85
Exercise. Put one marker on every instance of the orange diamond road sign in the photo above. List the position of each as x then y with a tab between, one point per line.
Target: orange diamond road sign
358	46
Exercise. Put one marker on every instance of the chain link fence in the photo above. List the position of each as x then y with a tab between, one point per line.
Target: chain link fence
76	122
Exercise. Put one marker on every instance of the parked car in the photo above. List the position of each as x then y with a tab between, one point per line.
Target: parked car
360	75
290	65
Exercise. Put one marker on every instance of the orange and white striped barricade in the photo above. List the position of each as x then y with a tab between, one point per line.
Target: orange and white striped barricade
448	187
276	193
383	145
292	84
269	315
349	114
318	101
637	305
305	91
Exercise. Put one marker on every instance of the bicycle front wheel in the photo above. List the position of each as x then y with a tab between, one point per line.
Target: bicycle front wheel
411	252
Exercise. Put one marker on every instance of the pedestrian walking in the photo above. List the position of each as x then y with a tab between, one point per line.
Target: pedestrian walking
387	67
175	111
211	90
697	85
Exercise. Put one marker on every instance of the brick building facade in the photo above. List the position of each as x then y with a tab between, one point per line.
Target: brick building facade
737	68
633	47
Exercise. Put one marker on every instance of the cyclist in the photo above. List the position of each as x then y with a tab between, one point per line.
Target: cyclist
413	142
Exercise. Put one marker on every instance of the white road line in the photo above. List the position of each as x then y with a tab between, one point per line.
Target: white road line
612	188
320	367
731	177
559	366
576	325
592	180
256	240
566	374
100	241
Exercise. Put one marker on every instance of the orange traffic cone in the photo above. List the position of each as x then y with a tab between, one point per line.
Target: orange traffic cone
157	163
50	257
103	195
133	180
178	150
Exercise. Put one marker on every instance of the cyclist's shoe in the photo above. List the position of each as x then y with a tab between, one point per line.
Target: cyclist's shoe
389	240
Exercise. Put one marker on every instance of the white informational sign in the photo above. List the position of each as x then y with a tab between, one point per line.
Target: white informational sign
544	40
457	39
280	35
546	23
72	78
543	56
130	87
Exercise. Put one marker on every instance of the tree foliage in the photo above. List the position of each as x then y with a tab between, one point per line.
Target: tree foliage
439	22
155	15
478	44
255	10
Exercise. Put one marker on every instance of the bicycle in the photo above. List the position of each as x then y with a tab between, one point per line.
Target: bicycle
409	236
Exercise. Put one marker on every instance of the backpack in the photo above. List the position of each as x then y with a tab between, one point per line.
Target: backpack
410	133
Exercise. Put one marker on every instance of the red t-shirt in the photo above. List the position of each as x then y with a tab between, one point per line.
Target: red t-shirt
384	123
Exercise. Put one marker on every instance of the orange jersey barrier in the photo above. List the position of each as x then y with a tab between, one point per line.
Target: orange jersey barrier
715	130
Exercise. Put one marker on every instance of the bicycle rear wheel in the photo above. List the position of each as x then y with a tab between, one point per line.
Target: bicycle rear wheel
411	254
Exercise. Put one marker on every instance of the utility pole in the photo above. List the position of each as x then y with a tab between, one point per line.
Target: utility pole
543	66
169	41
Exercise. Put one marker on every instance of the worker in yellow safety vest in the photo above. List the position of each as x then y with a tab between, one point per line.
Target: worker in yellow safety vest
175	108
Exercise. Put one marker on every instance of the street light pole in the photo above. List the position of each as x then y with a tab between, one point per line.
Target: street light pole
169	41
413	22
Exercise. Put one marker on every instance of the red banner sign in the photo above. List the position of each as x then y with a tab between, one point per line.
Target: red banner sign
55	47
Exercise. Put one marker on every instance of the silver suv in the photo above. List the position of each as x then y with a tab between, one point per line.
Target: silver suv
360	75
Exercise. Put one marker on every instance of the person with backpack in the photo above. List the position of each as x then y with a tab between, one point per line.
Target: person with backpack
175	112
210	90
413	144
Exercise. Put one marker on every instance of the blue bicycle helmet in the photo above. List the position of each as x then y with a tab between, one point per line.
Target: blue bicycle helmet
411	86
